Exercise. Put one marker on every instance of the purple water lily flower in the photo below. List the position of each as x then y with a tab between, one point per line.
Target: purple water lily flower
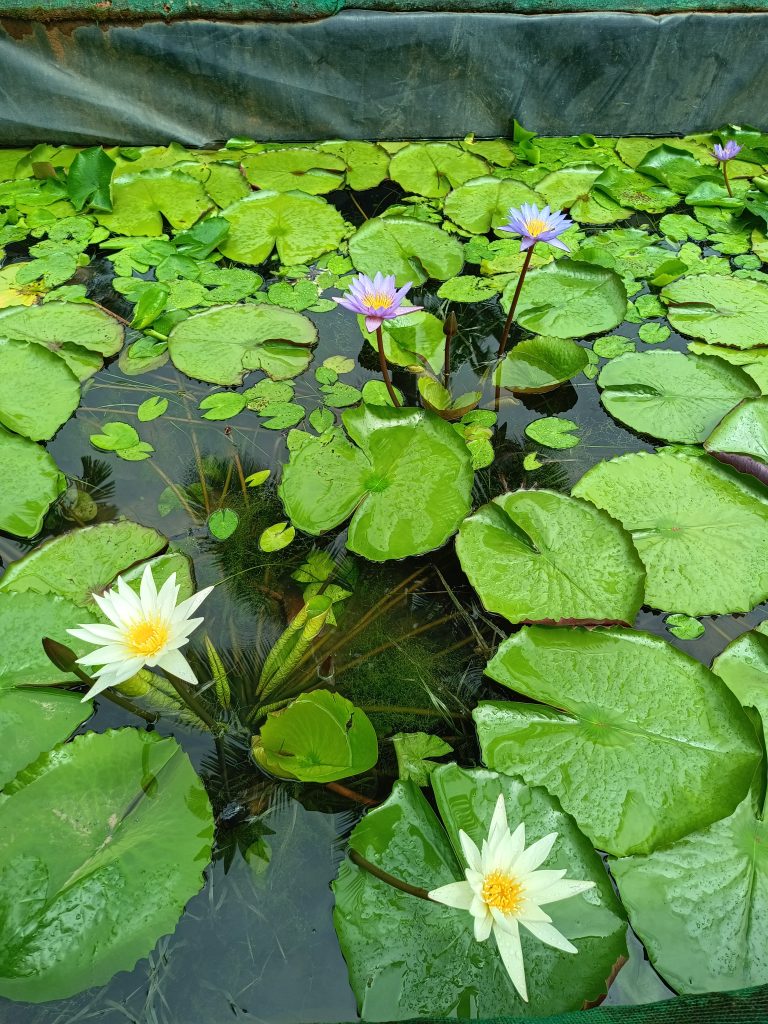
726	152
377	300
535	225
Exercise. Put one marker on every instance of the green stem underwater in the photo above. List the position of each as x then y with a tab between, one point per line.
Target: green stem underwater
194	705
513	304
384	367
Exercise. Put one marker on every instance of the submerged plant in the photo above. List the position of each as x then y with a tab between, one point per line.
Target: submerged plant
378	300
504	889
533	225
147	630
723	154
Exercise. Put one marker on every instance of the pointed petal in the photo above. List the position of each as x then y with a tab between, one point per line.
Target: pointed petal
511	953
536	854
558	244
111	654
114	675
185	609
175	663
95	633
470	851
563	891
148	590
455	894
372	323
483	927
548	934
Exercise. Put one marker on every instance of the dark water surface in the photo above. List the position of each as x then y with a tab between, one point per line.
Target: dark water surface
257	944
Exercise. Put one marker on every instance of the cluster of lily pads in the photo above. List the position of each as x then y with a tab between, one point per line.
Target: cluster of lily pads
616	742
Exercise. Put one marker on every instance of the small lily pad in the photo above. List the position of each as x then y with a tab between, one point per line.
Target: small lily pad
541	364
684	627
553	432
152	409
277	536
223	405
222	523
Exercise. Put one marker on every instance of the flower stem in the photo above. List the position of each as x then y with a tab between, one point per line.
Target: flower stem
384	367
194	705
513	304
449	329
725	179
384	876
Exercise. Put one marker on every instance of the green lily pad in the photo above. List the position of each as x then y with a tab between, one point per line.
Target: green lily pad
35	410
77	564
741	438
721	310
152	408
710	519
743	667
407	468
222	405
568	185
569	299
302	170
410	249
302	227
32	482
366	163
319	737
483	204
222	523
86	862
414	752
553	432
539	364
66	328
651	730
280	415
670	395
26	618
700	905
410	339
570	561
754	361
32	721
612	345
684	627
412	958
653	334
277	536
629	188
432	169
140	202
677	169
223	344
467	288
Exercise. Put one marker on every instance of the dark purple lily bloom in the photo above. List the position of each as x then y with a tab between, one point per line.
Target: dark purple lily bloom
535	225
726	152
377	300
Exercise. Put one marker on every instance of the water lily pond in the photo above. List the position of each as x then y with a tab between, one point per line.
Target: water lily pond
384	535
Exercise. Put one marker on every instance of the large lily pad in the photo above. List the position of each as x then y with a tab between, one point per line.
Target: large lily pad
483	204
541	364
65	328
540	556
319	737
722	310
628	188
409	249
700	906
640	742
412	958
38	391
406	480
25	620
302	170
569	186
140	202
223	344
411	338
754	361
141	839
568	299
700	528
31	483
434	168
741	438
677	169
671	395
77	564
743	667
302	227
32	721
366	163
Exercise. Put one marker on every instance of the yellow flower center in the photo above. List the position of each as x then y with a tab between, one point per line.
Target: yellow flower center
147	636
502	892
377	300
536	227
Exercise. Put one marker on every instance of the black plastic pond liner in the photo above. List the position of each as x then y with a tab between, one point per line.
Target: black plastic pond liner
378	75
747	1006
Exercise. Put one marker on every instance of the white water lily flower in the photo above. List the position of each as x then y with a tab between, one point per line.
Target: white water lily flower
504	889
147	629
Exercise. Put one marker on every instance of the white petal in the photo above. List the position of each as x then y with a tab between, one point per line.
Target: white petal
563	890
483	925
186	608
109	654
470	851
148	591
531	911
536	854
499	819
168	596
455	894
114	675
511	953
550	935
504	853
538	881
129	595
175	663
97	634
